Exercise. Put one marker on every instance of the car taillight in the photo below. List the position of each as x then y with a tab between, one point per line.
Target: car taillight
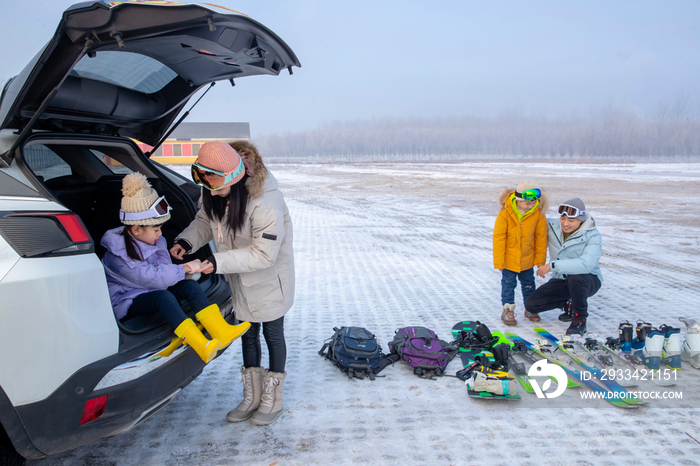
93	409
42	234
74	227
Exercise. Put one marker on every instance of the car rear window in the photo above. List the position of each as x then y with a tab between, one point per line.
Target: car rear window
113	165
45	163
125	69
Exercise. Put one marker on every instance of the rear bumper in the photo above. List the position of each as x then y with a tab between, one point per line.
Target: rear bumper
53	425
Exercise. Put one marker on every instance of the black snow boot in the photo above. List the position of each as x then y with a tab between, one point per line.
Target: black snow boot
643	329
625	330
578	325
567	313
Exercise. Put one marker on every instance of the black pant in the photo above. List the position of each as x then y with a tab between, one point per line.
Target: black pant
556	292
167	302
274	337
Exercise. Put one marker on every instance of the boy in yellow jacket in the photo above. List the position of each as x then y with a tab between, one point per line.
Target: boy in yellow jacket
519	243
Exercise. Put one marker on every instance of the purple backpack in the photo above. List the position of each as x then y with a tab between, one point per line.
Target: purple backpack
423	350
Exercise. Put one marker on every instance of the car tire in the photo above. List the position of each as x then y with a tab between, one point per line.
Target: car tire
8	454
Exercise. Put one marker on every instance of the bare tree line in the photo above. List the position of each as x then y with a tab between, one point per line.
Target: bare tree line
610	135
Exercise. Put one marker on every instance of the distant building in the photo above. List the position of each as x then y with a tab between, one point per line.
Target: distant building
183	145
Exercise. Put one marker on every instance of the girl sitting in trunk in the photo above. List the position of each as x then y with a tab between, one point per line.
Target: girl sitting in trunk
143	280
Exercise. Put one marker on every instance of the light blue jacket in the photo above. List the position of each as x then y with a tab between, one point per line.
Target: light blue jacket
127	278
579	254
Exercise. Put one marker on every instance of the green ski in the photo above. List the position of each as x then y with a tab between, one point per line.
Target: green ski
529	357
570	348
607	395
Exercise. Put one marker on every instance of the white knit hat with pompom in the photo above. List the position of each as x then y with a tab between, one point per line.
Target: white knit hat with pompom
139	196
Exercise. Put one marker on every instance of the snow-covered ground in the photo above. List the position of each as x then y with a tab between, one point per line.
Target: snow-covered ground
390	245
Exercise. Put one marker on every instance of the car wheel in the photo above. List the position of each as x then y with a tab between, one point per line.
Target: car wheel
8	454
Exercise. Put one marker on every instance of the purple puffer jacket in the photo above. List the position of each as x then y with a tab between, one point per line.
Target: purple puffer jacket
127	278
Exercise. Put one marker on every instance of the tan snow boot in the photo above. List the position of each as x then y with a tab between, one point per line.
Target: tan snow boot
271	402
508	315
252	378
532	316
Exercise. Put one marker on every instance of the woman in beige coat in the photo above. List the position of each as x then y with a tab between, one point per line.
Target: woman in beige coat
244	213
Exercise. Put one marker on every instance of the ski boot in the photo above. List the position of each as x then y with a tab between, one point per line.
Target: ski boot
625	330
671	354
643	329
566	313
578	325
651	352
690	351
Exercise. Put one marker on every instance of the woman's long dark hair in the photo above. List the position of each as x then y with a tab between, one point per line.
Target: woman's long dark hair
237	200
133	250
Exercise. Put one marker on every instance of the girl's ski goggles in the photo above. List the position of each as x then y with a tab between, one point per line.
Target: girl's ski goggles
158	209
571	211
529	194
213	179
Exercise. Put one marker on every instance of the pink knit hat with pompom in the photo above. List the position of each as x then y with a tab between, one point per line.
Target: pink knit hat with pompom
221	157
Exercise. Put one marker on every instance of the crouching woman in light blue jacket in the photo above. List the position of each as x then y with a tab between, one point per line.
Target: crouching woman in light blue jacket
574	252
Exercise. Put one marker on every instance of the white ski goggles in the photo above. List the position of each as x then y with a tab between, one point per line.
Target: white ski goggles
158	209
570	211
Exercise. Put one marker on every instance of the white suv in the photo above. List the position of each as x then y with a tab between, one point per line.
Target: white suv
70	373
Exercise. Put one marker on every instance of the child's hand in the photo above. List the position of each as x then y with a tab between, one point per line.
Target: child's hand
542	271
192	266
177	251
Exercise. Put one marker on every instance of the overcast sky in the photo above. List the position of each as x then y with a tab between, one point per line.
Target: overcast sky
375	59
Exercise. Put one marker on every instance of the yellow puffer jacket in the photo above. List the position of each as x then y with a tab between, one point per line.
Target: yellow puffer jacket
519	244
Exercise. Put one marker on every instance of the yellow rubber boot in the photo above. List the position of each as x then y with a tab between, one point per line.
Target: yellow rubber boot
218	328
175	343
192	336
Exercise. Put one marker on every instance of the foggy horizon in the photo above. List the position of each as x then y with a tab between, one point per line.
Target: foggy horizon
367	60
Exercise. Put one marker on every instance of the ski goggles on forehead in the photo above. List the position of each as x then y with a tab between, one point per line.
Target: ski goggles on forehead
570	211
213	179
158	209
529	194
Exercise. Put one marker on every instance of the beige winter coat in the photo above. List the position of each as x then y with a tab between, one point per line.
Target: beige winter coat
259	264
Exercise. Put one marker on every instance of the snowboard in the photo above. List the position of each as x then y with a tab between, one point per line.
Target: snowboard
468	356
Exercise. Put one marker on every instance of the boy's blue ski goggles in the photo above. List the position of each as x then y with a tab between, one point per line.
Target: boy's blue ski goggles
529	194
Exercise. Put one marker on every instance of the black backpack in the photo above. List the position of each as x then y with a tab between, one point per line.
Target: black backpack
355	351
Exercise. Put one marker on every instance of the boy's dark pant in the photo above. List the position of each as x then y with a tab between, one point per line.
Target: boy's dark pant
509	280
556	292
